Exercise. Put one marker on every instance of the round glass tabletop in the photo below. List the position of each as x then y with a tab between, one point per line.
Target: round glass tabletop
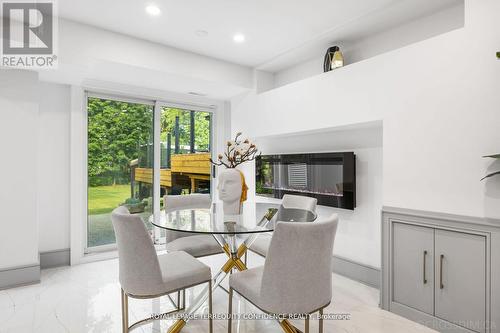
254	218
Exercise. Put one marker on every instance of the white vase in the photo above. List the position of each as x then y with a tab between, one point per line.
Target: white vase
230	186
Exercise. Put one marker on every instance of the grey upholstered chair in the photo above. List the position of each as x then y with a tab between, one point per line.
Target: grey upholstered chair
195	244
144	274
299	202
297	275
261	245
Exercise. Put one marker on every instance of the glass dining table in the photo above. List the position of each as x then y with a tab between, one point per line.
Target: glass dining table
234	233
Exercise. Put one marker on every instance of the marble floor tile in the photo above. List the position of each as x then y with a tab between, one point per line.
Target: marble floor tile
86	298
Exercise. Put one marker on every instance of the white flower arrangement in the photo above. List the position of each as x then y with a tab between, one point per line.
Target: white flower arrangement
237	152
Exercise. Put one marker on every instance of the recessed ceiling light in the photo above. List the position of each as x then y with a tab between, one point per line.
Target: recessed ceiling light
153	10
239	38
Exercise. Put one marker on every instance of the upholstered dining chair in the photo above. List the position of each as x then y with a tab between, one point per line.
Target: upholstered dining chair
143	274
297	275
261	245
195	244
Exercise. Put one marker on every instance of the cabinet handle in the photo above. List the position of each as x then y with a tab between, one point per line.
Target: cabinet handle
441	285
425	258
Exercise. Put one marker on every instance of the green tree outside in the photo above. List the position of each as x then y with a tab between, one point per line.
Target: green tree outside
116	131
201	128
119	132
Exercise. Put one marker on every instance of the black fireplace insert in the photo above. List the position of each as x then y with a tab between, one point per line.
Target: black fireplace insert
329	177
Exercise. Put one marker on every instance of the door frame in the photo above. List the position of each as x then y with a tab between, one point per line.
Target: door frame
220	131
159	105
119	98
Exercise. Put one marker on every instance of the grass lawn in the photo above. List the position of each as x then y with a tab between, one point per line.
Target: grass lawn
103	199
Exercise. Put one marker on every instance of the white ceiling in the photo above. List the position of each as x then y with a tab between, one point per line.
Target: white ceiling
272	28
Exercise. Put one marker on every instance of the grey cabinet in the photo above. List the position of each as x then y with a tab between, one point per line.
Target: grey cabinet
460	277
440	274
413	262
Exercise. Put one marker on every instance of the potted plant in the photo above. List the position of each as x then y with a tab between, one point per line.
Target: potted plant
134	205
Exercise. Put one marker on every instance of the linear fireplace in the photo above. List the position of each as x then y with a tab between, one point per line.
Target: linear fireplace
329	177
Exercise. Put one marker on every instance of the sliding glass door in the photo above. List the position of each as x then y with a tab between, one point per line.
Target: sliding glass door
185	150
121	160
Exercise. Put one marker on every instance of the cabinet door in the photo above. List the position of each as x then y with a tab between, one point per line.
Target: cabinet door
460	278
413	262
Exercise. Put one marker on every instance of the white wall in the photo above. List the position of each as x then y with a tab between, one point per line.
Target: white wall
358	235
18	167
34	120
438	100
358	50
263	81
53	171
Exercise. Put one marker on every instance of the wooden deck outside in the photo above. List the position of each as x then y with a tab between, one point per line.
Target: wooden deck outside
145	175
191	163
195	166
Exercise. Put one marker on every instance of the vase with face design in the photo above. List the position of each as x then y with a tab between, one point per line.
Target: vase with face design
230	187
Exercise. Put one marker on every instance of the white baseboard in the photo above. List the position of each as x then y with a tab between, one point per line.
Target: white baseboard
55	258
356	271
19	276
25	275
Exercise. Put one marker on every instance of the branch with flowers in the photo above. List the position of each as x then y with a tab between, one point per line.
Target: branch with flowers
237	152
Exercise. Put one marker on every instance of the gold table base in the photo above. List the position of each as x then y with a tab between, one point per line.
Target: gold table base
177	326
234	261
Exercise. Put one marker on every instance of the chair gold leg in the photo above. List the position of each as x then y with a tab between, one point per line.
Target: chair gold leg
210	319
230	312
307	325
124	312
321	321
